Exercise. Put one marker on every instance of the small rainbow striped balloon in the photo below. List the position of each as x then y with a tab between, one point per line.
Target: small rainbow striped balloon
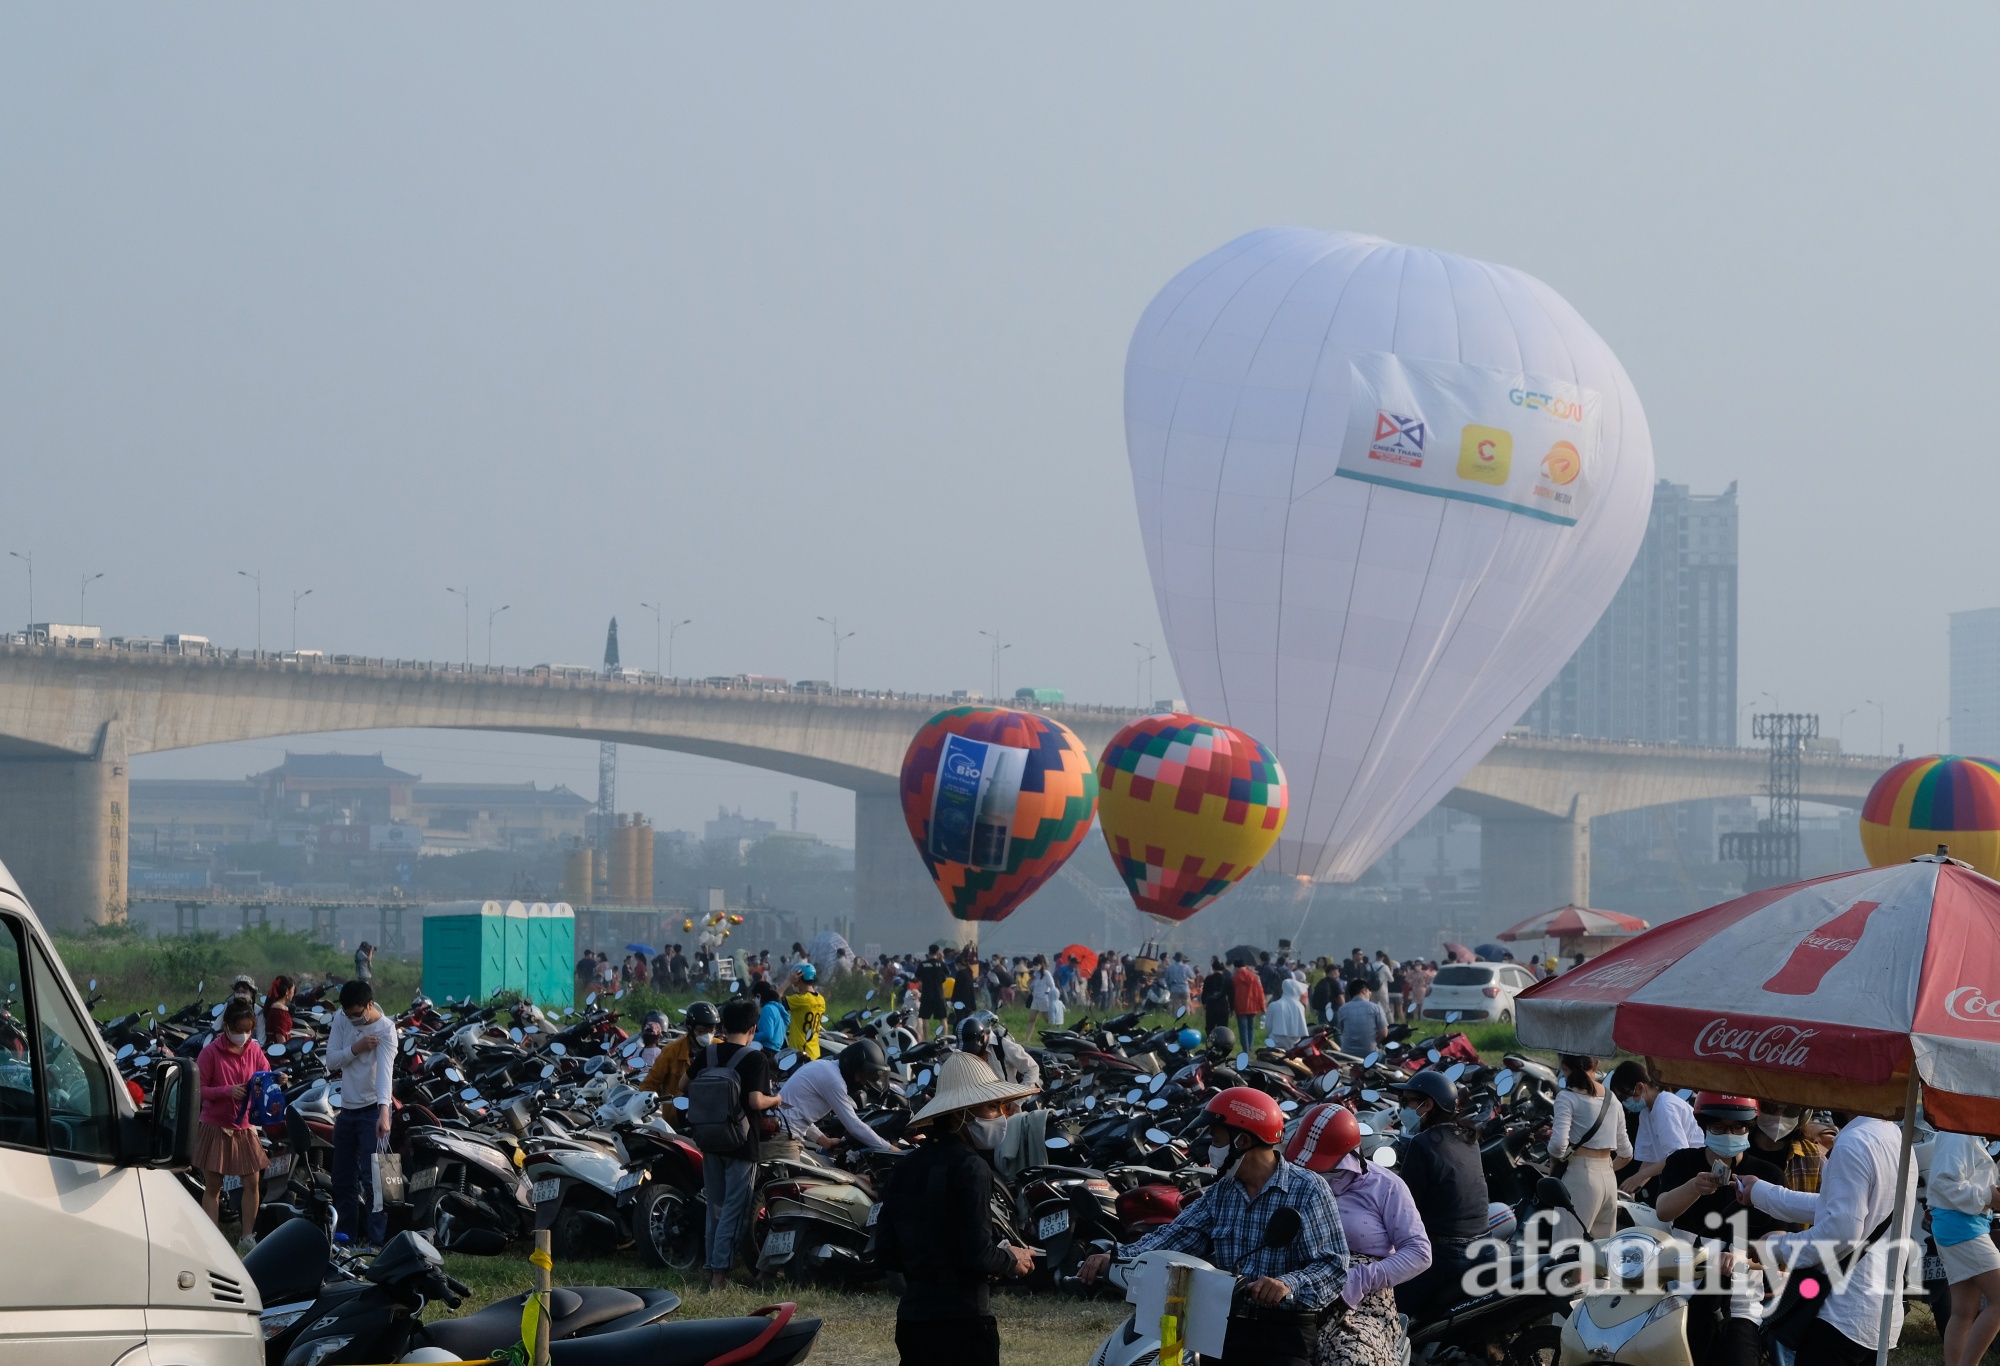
1939	799
1188	807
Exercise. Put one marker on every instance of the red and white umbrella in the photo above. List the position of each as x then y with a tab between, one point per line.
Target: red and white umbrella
1842	992
1571	922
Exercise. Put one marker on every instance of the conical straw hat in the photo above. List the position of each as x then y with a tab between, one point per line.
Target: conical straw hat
964	1081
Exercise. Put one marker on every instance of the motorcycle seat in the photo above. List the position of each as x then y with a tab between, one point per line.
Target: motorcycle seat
571	1311
694	1343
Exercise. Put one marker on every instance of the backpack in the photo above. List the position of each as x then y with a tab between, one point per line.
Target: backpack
263	1101
717	1119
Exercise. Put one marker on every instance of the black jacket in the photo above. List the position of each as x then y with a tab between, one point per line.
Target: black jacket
1441	1167
936	1227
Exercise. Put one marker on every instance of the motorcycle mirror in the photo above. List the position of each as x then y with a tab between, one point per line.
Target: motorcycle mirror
1451	1017
1134	1096
159	1009
1159	1136
631	1047
680	1102
548	1071
1288	1106
1385	1156
1157	1103
124	1052
1329	1012
1365	1130
202	983
532	1029
1056	1143
1505	1082
620	996
216	1013
787	1061
1242	1061
923	1078
1284	1228
1371	1096
1180	1012
1124	1038
469	1093
93	984
1173	1048
1373	1058
1454	1072
559	1049
958	1005
452	1074
867	1015
1090	1102
307	1046
590	1000
1393	1046
870	996
1434	1055
1159	1080
276	1050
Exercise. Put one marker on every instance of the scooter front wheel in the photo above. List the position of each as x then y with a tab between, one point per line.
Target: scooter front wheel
670	1228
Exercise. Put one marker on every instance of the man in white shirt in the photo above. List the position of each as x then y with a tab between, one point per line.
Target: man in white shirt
1666	1122
361	1047
1178	975
815	1091
1852	1201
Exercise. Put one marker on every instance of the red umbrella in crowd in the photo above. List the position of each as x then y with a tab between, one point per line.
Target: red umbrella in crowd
1458	953
1085	959
1855	992
1573	922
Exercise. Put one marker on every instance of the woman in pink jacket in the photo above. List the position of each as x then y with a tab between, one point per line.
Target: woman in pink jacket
225	1144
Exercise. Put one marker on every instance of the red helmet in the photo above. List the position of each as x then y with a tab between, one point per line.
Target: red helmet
1248	1109
1324	1135
1718	1105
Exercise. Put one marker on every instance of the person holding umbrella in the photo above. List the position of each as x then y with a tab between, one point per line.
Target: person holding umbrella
936	1226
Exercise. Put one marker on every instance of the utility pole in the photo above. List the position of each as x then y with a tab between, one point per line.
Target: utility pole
657	629
672	628
489	632
297	597
257	579
1881	728
834	622
998	646
29	560
465	596
82	588
1146	663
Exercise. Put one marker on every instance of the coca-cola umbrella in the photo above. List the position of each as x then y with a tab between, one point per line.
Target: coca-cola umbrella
1853	992
1573	922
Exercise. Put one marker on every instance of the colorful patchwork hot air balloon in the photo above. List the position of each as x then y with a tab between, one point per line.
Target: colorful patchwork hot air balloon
1188	807
1939	799
996	800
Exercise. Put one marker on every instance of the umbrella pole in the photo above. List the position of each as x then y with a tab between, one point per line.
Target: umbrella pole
1899	1227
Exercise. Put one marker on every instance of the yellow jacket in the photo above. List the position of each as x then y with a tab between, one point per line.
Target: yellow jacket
808	1011
668	1076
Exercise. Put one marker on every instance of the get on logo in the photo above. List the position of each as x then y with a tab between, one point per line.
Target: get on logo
1485	454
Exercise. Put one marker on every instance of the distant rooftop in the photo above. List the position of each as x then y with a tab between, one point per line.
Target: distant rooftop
496	794
352	767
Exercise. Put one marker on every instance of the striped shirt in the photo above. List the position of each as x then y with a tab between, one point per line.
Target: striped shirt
1226	1226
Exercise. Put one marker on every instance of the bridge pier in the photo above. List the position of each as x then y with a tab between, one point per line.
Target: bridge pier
896	904
62	832
1531	864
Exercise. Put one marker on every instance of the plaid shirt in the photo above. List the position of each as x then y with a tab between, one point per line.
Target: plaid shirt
1226	1226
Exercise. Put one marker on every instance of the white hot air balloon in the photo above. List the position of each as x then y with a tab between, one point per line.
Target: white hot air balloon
1385	493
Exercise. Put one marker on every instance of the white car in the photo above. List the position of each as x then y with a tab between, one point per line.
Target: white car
1476	991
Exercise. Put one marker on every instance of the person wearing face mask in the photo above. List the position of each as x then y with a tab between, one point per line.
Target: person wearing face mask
1438	1159
225	1144
1697	1193
668	1075
1386	1242
1275	1225
936	1228
1664	1123
1793	1141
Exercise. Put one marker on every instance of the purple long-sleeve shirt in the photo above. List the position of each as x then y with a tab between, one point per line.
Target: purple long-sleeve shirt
1381	1221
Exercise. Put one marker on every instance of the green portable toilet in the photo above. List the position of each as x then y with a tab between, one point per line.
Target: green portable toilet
515	919
552	952
465	955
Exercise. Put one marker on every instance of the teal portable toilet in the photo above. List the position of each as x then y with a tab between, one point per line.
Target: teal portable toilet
465	954
552	937
515	921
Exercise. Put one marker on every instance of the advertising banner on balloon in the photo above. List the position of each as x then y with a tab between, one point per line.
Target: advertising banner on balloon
1526	443
972	810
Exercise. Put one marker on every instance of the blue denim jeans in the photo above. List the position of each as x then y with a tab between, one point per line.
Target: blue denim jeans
354	1149
726	1185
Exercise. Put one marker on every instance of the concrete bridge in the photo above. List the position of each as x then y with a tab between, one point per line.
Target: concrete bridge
71	717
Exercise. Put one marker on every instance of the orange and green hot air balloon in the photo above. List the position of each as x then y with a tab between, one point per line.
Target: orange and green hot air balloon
1189	807
996	800
1939	799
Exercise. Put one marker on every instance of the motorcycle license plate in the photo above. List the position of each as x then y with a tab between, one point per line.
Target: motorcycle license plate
1052	1224
778	1247
874	1213
281	1164
421	1180
541	1192
232	1183
1933	1268
629	1180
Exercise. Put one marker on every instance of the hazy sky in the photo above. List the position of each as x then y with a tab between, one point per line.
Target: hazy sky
771	313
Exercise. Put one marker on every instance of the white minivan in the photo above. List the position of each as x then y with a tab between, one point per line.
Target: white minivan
104	1258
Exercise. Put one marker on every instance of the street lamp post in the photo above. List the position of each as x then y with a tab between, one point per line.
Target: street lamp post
465	596
297	597
489	632
998	646
834	623
1881	738
658	629
29	560
1146	663
257	579
82	589
1840	726
672	628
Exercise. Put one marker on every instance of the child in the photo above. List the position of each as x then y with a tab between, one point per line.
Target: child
225	1144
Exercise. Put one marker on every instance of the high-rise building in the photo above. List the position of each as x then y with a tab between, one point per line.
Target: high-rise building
1975	682
1660	665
